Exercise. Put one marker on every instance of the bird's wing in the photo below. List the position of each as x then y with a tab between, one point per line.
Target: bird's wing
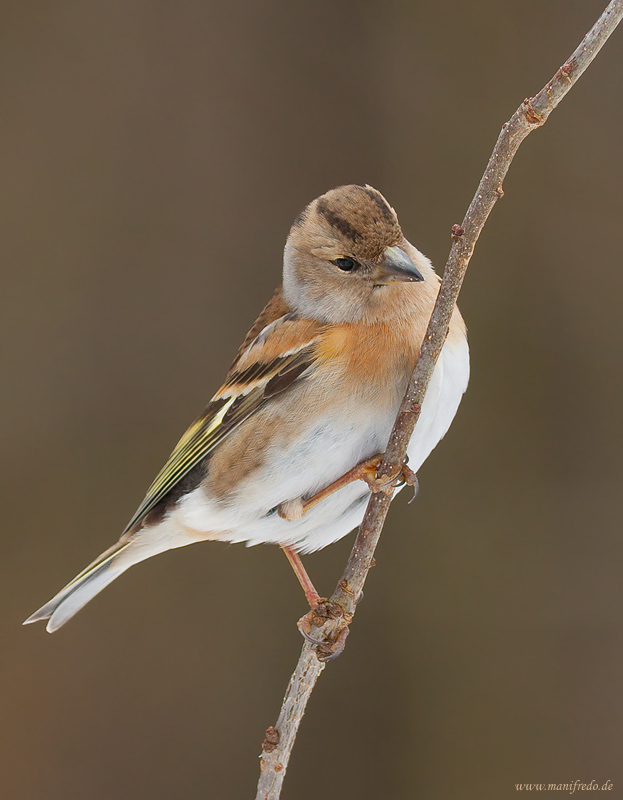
281	354
275	308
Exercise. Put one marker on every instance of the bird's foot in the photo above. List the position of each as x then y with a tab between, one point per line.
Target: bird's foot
402	475
329	622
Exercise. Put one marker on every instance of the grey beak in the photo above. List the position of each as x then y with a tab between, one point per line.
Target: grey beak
397	266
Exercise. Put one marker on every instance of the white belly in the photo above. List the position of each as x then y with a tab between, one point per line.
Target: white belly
329	450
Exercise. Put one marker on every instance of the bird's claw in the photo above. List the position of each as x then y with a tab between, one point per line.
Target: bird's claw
328	651
329	648
403	475
416	488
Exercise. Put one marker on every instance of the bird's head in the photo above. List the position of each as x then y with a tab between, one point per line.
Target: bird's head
346	259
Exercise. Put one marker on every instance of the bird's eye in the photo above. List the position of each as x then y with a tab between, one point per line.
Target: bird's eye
345	264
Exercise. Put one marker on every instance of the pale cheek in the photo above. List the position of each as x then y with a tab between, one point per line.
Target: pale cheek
381	302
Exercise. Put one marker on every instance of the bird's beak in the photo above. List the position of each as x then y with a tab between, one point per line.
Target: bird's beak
396	266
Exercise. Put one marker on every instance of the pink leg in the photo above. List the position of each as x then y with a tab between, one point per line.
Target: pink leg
366	471
313	598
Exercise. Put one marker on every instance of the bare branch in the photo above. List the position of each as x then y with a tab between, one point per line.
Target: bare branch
531	114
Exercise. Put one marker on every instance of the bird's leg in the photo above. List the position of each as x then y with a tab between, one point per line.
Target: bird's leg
321	611
313	598
365	471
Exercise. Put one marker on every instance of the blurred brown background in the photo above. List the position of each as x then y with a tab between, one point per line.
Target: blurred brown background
154	156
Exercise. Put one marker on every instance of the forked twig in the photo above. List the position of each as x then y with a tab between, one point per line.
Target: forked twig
531	114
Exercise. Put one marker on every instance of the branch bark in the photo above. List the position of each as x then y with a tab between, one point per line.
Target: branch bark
531	114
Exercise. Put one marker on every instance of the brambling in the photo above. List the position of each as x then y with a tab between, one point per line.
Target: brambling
308	404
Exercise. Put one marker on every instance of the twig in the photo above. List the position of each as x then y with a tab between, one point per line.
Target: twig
531	114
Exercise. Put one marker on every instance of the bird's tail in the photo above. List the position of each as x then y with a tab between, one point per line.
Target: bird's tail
108	566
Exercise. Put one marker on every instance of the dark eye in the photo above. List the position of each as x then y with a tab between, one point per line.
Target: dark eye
346	264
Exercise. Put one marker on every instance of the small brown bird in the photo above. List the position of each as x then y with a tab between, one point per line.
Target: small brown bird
312	394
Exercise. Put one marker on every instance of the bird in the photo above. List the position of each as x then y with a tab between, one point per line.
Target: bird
307	406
